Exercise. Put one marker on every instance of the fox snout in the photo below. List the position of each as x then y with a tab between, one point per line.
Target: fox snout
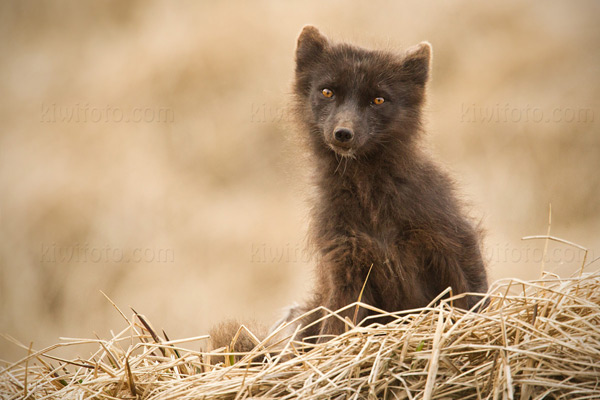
344	132
343	140
343	136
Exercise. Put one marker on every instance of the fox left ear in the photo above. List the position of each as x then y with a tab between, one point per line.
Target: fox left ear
416	63
310	47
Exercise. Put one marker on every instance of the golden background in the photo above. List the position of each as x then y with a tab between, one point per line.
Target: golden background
145	150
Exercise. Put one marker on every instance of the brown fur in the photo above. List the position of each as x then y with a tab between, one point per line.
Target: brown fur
223	335
379	199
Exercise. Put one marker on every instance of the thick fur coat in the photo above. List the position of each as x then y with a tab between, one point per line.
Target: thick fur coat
381	203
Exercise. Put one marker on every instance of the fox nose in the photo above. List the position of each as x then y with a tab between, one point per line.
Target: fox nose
343	135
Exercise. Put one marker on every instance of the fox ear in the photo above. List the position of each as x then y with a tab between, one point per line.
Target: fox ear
311	44
416	63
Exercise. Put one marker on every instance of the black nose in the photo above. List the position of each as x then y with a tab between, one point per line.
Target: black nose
343	135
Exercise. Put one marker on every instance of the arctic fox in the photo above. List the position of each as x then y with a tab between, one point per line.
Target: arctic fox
381	204
384	215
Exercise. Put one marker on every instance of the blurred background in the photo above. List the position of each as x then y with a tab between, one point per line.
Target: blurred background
145	150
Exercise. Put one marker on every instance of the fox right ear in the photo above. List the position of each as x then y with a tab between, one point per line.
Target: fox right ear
311	44
417	63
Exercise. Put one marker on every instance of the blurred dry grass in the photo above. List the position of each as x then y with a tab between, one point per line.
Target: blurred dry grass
209	173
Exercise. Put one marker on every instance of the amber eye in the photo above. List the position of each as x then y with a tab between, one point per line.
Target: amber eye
327	93
378	100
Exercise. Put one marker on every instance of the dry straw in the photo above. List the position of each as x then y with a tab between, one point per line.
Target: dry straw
536	339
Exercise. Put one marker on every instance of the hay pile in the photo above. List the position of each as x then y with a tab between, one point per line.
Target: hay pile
537	339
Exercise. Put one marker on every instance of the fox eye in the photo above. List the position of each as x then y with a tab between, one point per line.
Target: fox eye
327	93
378	100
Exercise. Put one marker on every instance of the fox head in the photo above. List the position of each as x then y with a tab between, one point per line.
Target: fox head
356	102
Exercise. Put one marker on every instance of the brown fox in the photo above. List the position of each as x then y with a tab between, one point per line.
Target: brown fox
381	204
380	201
